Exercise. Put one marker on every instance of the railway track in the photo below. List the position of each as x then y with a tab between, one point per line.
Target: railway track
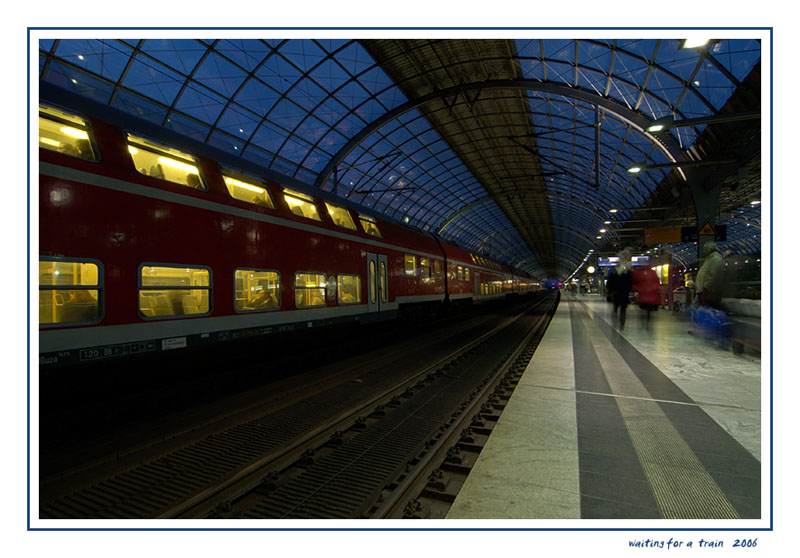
333	459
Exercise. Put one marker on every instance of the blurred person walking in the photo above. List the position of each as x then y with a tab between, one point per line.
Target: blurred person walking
648	289
708	283
620	282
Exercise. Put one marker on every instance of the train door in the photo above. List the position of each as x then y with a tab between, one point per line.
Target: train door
477	284
377	282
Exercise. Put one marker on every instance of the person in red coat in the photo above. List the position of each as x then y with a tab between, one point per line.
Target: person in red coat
646	285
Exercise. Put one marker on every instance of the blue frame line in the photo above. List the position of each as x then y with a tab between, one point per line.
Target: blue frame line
566	529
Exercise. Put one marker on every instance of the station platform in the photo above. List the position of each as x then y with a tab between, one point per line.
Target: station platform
644	422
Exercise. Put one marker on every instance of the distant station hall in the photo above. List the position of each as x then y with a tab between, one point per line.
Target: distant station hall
435	279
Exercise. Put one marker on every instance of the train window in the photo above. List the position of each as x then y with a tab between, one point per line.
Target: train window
309	290
174	291
341	217
248	190
466	274
256	290
369	225
460	273
65	133
411	264
383	283
437	269
69	292
301	204
372	283
425	268
349	289
164	163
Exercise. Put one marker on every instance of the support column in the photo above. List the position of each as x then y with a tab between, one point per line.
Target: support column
706	204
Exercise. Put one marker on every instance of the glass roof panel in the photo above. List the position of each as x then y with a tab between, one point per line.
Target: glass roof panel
738	56
291	105
246	53
180	54
200	103
257	97
80	82
153	80
303	54
278	73
139	106
187	127
104	58
216	73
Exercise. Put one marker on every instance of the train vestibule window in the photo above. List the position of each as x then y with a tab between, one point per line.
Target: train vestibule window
174	291
410	264
425	268
256	290
341	217
247	189
69	292
65	133
164	163
301	204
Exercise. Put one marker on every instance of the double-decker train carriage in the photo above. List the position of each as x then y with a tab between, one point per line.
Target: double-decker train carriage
151	241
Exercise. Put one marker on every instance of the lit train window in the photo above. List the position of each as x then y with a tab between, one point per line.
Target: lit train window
460	273
349	289
256	290
65	133
247	190
383	286
174	291
301	204
69	292
165	163
309	290
425	268
466	274
437	269
372	285
369	225
411	264
341	217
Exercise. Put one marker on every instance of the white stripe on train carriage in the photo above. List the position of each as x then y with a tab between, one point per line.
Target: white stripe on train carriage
97	336
58	171
418	298
460	295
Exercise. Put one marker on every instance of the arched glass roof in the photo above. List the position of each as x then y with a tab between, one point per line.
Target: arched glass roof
568	113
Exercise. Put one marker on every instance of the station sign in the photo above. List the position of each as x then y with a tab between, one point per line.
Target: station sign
668	235
690	234
614	260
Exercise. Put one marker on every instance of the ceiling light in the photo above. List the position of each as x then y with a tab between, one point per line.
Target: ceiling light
655	128
599	237
694	42
602	230
612	210
606	222
755	202
634	169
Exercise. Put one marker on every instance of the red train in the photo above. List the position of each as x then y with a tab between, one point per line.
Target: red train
150	241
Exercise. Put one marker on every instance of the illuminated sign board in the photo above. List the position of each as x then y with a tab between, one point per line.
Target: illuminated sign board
614	260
